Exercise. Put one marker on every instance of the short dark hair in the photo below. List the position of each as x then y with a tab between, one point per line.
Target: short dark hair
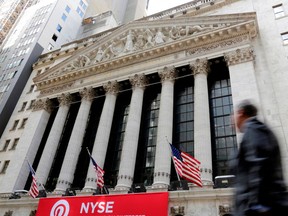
248	108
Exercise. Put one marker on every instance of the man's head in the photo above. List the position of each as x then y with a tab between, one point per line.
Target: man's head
245	110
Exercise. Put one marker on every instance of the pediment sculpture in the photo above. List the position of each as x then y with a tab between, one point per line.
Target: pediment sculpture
137	40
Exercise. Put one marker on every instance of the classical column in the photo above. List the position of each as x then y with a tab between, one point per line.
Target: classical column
202	134
52	142
74	146
28	145
165	129
103	132
130	143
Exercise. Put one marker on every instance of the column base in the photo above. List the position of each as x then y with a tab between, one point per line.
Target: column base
88	189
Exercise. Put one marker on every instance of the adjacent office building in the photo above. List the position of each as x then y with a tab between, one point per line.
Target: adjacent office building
174	76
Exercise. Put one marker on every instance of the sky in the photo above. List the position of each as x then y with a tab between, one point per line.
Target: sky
160	5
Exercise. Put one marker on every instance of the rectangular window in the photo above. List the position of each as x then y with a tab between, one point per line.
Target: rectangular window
67	9
64	17
83	5
59	28
278	11
5	166
15	143
24	121
6	145
54	37
31	89
31	104
285	38
23	106
80	12
15	124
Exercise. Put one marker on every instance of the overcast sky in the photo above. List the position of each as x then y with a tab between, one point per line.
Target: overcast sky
160	5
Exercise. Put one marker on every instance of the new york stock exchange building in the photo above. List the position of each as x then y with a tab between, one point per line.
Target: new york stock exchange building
126	93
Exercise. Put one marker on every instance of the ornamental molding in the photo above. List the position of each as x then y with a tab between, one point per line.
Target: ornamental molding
65	99
138	81
200	66
43	104
87	94
111	87
140	41
168	74
239	56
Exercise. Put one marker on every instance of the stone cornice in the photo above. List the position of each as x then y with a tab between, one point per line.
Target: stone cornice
191	40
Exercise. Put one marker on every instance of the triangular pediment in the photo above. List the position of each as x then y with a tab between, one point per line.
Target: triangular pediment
144	39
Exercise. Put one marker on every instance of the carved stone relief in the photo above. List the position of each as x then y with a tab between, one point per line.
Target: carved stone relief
43	104
138	80
239	56
111	87
135	40
200	66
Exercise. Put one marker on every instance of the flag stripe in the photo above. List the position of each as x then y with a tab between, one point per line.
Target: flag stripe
33	191
186	166
99	172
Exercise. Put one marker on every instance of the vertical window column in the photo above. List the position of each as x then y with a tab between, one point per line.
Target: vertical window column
29	144
202	133
162	166
74	146
53	139
103	132
130	144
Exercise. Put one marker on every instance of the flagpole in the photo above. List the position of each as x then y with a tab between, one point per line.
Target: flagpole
97	177
174	162
36	176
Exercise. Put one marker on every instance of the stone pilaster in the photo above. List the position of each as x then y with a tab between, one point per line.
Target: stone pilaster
28	145
165	129
53	139
103	132
242	77
202	134
74	146
130	143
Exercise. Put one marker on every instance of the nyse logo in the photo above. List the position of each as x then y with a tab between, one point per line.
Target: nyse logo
60	208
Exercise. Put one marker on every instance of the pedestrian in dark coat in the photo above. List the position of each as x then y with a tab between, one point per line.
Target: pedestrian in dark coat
260	187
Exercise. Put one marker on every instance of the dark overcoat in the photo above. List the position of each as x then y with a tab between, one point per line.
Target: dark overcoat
259	174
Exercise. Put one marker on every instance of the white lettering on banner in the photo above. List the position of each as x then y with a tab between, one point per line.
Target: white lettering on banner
99	207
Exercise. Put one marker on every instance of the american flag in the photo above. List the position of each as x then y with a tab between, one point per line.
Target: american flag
186	166
34	192
99	172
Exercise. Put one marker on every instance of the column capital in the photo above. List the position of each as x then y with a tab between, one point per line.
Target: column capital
138	80
65	99
239	56
200	66
111	87
43	104
87	93
168	74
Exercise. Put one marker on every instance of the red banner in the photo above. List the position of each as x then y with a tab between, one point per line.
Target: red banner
137	204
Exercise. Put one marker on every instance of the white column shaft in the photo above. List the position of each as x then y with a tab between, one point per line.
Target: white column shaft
102	139
165	129
130	144
202	135
74	147
51	145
